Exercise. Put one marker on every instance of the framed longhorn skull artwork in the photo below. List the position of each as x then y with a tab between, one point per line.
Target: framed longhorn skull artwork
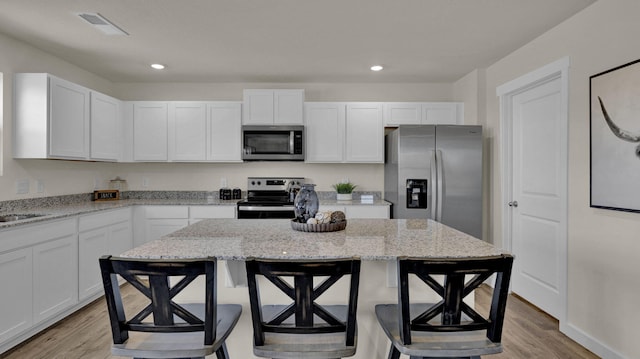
615	138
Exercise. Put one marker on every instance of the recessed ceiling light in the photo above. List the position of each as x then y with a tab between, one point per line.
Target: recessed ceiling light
157	66
376	68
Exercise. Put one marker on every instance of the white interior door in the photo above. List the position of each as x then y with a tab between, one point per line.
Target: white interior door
535	117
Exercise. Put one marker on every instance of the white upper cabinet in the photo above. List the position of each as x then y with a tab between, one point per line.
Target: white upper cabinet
442	113
187	131
54	118
106	127
150	131
426	113
324	131
402	113
364	136
225	137
51	118
272	107
344	132
68	120
179	131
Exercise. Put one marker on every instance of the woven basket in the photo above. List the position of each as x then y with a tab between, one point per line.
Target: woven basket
323	227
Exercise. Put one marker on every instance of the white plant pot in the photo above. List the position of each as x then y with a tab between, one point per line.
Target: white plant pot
344	196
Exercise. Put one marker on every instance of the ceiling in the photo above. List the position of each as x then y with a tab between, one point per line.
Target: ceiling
284	40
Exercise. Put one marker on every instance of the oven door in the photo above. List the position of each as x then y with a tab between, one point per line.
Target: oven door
263	212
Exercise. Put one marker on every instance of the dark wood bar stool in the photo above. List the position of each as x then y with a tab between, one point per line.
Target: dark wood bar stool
449	328
166	329
304	328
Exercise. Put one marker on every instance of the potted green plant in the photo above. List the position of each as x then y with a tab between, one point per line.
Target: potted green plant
344	191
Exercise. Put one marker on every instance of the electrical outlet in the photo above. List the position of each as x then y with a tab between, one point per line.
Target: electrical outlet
145	182
22	186
39	186
223	182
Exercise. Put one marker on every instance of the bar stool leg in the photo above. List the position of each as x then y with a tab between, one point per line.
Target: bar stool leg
222	353
393	353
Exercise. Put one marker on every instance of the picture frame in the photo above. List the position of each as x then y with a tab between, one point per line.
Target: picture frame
615	138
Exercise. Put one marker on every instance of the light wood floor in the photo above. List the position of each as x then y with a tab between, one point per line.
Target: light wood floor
528	333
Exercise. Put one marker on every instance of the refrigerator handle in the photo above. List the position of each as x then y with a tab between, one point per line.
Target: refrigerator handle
439	184
434	193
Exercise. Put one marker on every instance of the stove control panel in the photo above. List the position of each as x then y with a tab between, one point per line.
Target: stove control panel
273	183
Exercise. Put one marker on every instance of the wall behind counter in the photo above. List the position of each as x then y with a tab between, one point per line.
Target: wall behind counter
208	177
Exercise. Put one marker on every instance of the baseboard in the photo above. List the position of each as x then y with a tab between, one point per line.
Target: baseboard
592	344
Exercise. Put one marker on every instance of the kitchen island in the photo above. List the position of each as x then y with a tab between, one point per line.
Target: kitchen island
369	239
378	242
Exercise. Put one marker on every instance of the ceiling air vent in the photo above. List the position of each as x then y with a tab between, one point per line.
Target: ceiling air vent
101	23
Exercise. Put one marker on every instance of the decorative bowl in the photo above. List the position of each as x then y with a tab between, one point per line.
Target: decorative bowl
322	227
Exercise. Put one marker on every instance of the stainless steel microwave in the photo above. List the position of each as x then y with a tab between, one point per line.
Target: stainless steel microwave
273	143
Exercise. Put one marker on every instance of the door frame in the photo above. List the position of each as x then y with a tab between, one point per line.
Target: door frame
556	70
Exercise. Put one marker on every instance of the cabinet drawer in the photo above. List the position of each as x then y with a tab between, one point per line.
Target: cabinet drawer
202	212
367	211
104	218
29	235
167	211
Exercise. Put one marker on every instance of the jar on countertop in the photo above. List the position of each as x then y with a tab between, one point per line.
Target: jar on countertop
118	183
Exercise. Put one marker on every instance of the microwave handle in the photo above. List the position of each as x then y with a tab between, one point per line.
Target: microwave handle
292	135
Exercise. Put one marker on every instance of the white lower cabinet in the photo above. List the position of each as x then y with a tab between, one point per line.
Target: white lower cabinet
100	234
162	220
16	277
367	211
38	274
198	213
55	273
359	211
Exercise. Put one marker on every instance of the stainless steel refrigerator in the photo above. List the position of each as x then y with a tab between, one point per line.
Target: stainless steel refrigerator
435	171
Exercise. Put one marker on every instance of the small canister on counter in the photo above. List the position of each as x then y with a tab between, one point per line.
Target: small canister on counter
225	193
237	193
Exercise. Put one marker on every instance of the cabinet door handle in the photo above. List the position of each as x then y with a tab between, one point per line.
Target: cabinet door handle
513	204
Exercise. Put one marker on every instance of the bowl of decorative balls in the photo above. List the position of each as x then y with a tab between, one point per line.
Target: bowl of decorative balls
324	221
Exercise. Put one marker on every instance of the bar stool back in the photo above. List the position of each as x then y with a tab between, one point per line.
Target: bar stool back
449	328
304	328
164	328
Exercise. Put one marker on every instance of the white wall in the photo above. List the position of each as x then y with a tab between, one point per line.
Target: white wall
60	177
313	91
603	248
471	91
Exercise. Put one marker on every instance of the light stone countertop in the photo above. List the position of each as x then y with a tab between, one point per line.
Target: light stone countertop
369	239
56	207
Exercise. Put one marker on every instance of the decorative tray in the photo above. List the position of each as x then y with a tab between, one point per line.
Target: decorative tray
322	227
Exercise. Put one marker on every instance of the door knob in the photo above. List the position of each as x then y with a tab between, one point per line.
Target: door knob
513	204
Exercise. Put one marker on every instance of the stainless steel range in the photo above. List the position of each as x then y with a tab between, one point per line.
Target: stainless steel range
269	197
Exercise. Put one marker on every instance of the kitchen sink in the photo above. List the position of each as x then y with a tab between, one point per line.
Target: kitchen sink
17	217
